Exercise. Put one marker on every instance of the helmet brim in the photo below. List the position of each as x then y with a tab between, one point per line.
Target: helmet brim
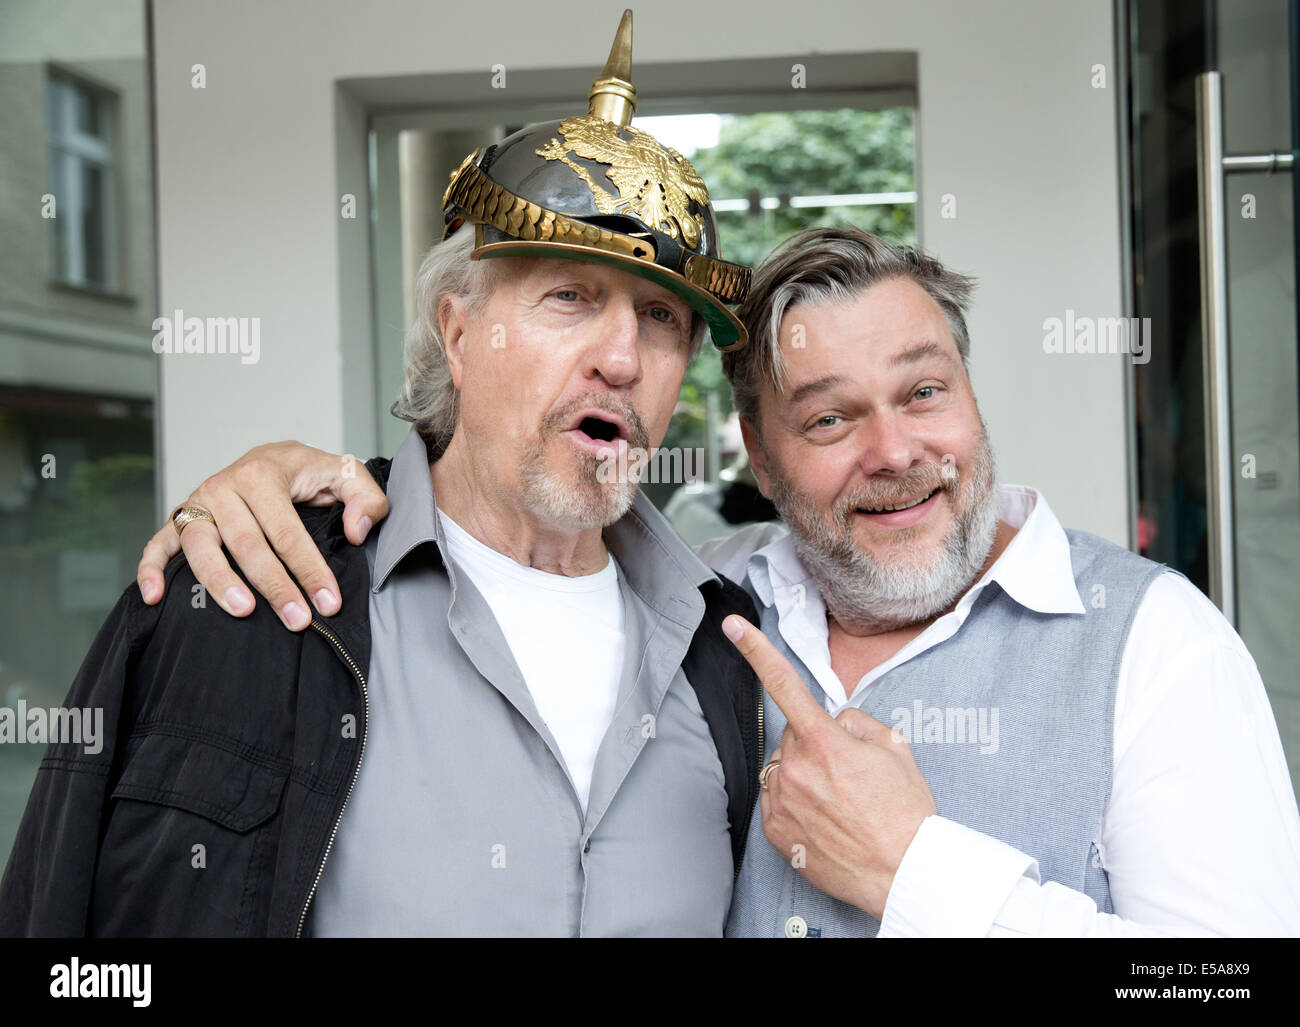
725	329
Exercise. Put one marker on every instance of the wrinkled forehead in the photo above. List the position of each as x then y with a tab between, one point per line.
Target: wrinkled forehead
893	310
887	325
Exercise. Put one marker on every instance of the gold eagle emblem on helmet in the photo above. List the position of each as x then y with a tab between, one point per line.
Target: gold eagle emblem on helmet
655	182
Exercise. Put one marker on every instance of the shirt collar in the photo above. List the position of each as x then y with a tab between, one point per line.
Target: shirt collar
1035	569
411	519
653	558
658	564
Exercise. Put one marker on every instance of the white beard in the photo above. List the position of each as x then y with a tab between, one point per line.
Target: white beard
574	504
580	501
863	592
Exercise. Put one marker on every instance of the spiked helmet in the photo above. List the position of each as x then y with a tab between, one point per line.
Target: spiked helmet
591	187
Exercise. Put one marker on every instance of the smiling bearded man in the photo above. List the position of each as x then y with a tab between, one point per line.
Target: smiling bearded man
1055	781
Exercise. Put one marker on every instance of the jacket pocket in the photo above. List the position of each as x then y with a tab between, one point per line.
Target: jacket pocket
189	843
204	779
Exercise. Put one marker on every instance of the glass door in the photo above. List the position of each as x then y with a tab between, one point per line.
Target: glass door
1255	77
1213	222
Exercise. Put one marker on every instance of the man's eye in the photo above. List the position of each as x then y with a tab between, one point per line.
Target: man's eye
924	392
566	295
662	314
826	421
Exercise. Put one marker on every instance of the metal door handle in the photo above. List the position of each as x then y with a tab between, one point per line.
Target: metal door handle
1211	166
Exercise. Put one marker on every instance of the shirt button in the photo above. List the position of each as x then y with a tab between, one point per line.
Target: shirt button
796	927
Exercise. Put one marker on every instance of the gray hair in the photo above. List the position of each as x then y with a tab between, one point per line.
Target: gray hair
428	395
829	265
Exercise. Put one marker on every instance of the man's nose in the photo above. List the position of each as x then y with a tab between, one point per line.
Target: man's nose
889	444
615	353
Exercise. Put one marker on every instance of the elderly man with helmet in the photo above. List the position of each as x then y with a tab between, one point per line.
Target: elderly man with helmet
524	719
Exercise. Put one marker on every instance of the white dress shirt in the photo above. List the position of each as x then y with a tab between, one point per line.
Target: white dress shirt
1201	833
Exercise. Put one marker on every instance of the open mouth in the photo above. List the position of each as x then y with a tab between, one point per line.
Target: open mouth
598	431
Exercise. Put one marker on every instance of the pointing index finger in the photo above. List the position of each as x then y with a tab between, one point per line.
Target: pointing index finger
802	712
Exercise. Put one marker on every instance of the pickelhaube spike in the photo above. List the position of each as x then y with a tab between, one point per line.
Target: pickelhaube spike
613	96
594	188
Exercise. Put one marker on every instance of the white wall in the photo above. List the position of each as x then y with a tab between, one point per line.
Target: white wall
1009	124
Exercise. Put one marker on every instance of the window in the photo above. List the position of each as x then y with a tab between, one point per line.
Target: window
78	374
81	182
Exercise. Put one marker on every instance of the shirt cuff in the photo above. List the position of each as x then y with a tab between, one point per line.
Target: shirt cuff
952	882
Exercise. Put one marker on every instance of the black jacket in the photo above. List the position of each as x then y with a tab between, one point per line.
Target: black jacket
224	772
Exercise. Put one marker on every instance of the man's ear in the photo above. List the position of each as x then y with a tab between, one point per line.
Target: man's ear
757	457
452	326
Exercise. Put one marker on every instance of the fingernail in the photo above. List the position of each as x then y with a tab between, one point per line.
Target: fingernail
238	599
325	601
148	590
364	524
733	629
295	616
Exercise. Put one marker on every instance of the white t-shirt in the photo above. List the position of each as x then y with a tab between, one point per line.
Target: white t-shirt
566	635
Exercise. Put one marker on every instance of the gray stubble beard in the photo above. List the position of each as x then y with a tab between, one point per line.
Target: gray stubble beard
864	593
585	502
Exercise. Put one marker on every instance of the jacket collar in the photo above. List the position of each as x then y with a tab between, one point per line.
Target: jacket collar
351	625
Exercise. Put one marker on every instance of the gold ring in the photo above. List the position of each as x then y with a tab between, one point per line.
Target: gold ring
187	513
767	769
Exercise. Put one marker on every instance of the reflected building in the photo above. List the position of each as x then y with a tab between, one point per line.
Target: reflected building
77	371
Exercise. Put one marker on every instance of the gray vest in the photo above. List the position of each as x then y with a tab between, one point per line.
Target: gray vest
1010	721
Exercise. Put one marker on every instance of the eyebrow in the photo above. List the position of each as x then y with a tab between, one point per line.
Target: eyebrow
915	354
812	388
911	355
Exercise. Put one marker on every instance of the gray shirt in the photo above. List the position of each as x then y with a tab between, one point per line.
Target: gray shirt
463	820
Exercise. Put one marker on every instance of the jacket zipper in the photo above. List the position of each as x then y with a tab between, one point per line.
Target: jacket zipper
320	629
